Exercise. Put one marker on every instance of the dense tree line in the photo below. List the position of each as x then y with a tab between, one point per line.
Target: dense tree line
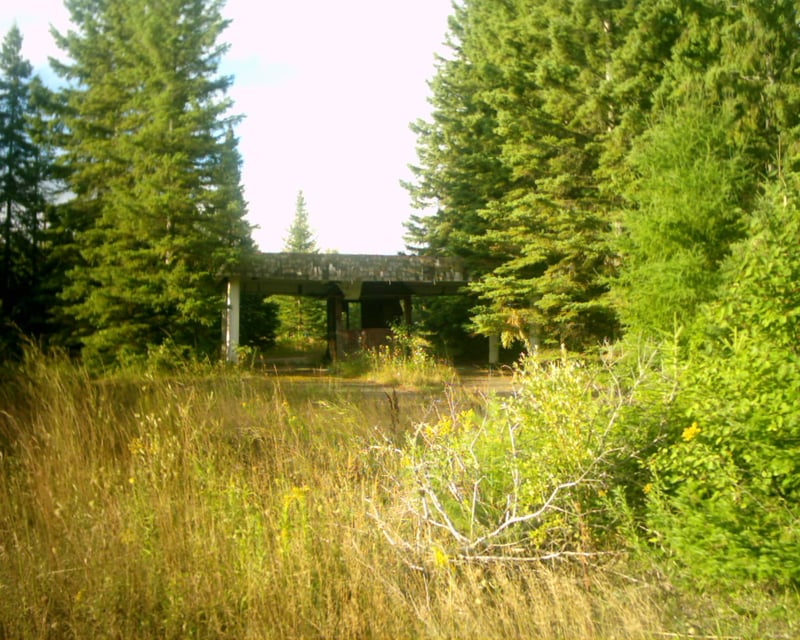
630	168
568	140
140	148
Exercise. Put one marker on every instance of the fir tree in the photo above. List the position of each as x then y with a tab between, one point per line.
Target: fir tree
23	171
459	169
510	158
300	238
153	165
301	318
685	212
550	225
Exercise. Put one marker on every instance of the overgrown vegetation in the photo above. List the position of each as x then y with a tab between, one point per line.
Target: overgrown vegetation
217	503
407	359
616	173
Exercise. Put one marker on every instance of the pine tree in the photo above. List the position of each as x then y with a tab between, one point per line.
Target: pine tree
300	238
510	158
301	319
153	165
23	173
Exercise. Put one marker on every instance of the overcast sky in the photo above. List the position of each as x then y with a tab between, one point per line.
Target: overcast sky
328	89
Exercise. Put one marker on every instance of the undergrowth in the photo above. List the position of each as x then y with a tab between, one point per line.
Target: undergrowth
406	360
227	504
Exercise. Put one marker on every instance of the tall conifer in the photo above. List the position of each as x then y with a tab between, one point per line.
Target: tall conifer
510	159
301	318
23	172
157	211
300	238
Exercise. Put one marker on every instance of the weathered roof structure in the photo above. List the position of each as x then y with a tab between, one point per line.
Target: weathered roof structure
382	285
319	275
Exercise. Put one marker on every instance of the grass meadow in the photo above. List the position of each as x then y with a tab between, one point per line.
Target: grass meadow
221	503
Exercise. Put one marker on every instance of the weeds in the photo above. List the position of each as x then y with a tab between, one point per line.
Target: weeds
407	360
231	505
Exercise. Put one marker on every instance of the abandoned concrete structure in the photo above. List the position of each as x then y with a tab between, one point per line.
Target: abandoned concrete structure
381	286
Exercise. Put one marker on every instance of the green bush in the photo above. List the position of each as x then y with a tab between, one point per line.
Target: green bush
526	478
728	484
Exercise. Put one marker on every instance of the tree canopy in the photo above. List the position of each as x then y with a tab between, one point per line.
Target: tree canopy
24	172
547	154
157	211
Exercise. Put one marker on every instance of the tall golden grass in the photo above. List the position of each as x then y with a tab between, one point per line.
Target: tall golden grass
231	505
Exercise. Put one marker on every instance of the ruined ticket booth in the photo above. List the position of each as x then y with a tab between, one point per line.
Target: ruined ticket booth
366	294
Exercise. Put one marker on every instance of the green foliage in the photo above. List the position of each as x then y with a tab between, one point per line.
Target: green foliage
300	238
259	322
508	160
527	478
445	320
157	211
459	151
550	225
303	321
728	481
686	195
556	123
24	171
406	360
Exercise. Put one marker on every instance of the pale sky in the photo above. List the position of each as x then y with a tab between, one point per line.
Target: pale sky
328	88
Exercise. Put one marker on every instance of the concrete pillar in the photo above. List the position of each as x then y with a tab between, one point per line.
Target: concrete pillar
335	327
494	350
407	319
232	314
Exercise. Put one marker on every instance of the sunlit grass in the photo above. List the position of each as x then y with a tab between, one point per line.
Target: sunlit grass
232	505
407	360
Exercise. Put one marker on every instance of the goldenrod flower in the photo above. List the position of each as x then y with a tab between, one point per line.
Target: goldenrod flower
689	433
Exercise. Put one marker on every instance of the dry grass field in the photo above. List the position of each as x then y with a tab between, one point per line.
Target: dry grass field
228	504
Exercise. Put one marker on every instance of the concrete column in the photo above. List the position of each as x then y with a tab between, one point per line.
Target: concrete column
335	327
494	350
339	325
407	311
232	314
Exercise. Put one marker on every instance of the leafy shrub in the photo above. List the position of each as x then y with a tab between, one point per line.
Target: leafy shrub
728	485
527	478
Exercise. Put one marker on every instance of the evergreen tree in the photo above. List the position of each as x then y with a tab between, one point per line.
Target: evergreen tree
300	238
550	225
301	318
157	211
710	92
23	171
686	211
518	190
459	170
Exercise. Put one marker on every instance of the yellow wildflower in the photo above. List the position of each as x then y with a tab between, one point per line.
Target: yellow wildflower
440	557
689	433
